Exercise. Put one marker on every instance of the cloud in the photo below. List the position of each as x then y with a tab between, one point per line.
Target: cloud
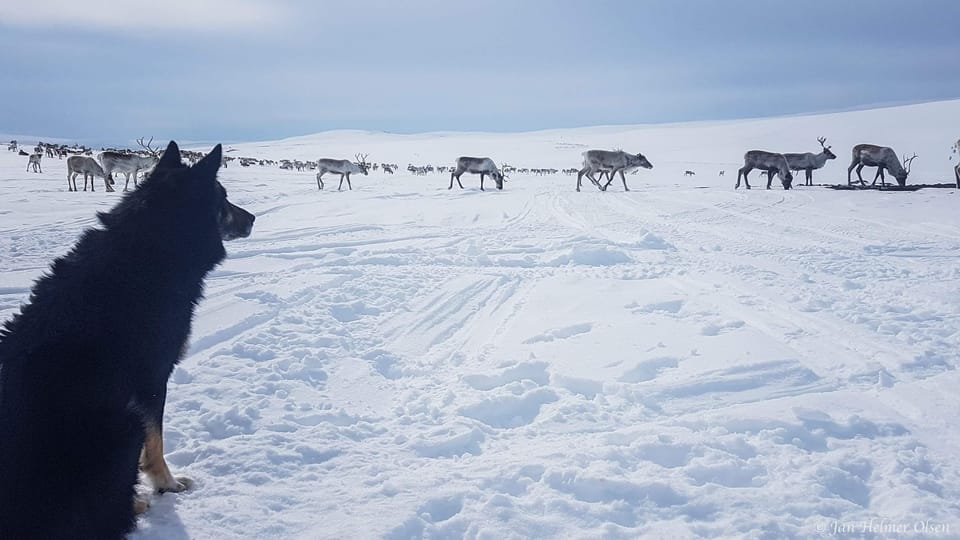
145	15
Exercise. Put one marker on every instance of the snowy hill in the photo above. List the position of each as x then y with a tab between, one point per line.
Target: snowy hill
684	360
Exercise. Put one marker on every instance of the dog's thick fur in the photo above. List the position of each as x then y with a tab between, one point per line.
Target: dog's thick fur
84	366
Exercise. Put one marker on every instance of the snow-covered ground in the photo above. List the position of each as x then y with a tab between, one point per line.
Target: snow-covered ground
684	360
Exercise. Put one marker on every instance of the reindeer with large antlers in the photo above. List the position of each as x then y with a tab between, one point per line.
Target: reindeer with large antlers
128	163
808	161
343	167
881	157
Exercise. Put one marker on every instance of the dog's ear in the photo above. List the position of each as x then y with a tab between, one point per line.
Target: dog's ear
210	163
170	158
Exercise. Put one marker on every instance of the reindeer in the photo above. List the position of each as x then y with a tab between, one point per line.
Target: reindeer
12	146
343	167
807	162
721	173
128	164
605	161
34	161
770	162
881	157
956	168
689	173
482	166
86	165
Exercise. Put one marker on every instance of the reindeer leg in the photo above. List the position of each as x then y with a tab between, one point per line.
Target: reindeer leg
341	182
458	180
743	171
481	181
594	180
451	180
860	168
349	185
625	188
319	180
769	178
610	176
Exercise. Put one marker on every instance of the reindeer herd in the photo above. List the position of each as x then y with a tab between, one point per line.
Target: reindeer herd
597	165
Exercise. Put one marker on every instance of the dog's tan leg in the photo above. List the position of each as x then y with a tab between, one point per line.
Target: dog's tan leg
140	505
155	467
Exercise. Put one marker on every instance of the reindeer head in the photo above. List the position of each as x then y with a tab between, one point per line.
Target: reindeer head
826	149
640	161
362	163
901	176
787	180
499	178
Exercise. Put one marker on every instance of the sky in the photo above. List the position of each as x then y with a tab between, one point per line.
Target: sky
244	70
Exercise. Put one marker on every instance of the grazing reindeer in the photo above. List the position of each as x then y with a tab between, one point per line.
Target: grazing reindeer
689	173
12	146
881	157
766	161
34	161
611	163
86	165
343	167
474	165
807	162
128	164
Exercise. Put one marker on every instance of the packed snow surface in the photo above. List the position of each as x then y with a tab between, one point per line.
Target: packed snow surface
682	360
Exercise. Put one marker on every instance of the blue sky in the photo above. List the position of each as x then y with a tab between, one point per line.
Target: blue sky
255	70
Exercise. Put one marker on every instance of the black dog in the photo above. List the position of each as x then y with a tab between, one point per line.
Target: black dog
84	366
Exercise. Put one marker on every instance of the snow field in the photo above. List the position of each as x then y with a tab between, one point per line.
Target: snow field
684	360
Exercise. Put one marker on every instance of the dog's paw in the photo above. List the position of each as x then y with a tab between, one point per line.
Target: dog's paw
140	505
178	484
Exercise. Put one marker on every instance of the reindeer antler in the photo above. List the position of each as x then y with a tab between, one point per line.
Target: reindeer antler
908	162
155	152
362	158
822	140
